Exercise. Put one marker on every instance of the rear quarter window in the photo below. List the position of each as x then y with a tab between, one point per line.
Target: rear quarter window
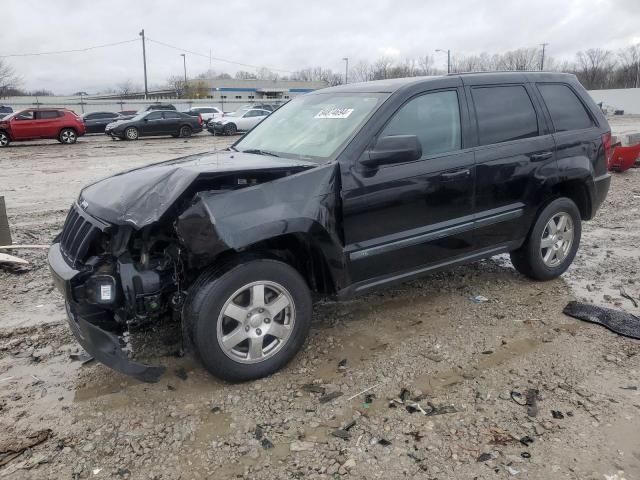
566	110
504	113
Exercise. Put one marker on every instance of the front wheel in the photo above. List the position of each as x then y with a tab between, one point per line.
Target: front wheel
552	243
68	136
4	139
249	321
230	129
131	133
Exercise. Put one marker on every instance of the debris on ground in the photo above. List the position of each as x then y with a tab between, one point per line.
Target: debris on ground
479	299
557	414
341	433
484	457
624	294
532	402
14	447
617	321
12	260
82	357
310	387
342	364
384	442
181	373
329	396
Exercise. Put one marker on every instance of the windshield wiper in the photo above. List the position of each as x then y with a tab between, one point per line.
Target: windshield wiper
257	151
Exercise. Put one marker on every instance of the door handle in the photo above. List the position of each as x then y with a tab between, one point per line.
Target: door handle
537	157
455	175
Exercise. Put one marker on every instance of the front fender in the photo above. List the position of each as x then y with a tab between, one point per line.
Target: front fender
306	203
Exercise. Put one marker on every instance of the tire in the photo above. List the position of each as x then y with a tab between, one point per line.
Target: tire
547	254
131	133
5	139
230	129
67	136
232	290
185	131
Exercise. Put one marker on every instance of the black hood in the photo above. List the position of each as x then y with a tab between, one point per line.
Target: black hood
141	196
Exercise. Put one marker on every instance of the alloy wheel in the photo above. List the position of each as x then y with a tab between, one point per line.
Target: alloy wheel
68	136
256	322
557	239
4	139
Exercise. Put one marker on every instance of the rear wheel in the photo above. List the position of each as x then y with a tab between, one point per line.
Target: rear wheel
249	320
67	136
185	131
230	129
552	243
131	133
4	139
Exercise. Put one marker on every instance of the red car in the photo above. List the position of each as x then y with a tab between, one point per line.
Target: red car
59	123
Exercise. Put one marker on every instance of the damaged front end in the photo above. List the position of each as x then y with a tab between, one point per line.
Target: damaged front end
132	244
114	278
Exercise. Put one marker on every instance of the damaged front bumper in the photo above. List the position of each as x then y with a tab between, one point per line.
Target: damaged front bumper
84	321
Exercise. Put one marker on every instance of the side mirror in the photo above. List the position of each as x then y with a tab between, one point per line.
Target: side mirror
393	149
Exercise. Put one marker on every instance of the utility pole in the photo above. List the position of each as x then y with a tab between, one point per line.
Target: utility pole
346	69
184	62
448	58
144	63
544	46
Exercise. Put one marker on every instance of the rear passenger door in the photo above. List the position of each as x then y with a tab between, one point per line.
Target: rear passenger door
47	124
513	144
152	123
171	123
578	139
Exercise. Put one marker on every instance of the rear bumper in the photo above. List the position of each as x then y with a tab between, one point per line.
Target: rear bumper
103	345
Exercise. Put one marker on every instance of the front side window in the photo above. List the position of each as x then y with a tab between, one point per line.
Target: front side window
504	113
312	127
28	115
566	110
154	116
434	118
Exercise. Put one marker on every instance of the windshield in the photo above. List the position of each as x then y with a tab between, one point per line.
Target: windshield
312	127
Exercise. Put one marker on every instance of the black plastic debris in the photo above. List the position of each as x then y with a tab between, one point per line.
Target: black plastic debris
266	443
441	410
525	455
384	442
171	388
532	402
484	457
181	373
341	433
329	396
619	322
310	387
404	394
216	409
630	387
349	425
526	440
342	364
82	357
259	433
557	414
487	352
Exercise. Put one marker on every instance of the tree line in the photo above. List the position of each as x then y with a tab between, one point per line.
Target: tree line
596	69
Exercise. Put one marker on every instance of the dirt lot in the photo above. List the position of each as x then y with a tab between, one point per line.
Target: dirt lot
459	359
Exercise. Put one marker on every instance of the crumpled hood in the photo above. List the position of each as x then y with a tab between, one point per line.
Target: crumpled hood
141	196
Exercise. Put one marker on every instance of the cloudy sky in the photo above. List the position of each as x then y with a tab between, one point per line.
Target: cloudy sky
288	35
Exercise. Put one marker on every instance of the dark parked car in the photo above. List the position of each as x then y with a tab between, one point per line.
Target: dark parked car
4	111
97	121
153	123
34	123
339	192
159	106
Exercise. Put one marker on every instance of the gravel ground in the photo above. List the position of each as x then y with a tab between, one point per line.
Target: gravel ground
422	346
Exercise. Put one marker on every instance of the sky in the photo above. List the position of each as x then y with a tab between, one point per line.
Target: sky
287	35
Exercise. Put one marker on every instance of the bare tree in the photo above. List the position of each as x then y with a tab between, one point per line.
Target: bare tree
628	73
127	88
594	68
426	64
243	75
9	80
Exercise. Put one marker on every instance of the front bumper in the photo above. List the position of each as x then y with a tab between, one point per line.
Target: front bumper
103	345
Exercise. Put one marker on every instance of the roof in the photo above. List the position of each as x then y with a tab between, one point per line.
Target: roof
393	84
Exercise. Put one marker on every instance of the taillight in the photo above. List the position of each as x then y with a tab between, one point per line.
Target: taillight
606	146
200	119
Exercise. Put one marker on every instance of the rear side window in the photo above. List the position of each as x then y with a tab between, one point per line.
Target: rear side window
171	115
566	110
434	118
504	113
47	115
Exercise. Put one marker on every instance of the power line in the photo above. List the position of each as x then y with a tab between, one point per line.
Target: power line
215	58
76	50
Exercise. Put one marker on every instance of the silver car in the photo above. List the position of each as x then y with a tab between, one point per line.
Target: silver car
239	121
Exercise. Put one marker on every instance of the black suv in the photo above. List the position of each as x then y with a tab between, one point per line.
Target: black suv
338	192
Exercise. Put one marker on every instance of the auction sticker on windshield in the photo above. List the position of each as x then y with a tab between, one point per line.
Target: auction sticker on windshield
333	112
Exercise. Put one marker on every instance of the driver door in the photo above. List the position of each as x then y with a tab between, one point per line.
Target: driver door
407	217
152	124
23	125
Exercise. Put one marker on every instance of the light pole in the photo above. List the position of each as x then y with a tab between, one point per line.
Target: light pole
346	69
184	63
544	46
448	52
144	63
